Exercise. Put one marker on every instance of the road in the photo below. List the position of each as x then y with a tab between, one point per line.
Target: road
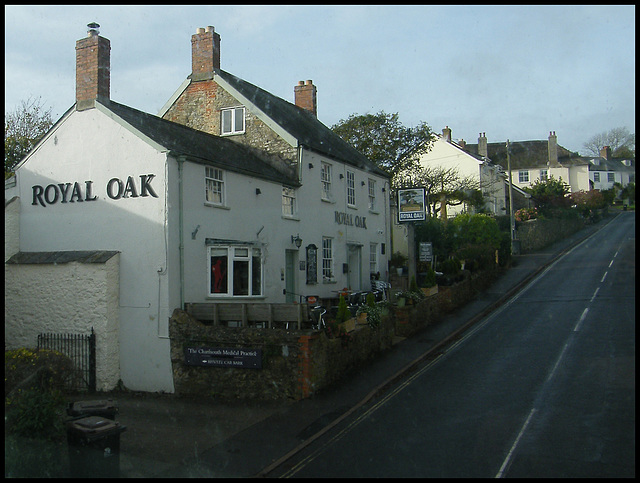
542	387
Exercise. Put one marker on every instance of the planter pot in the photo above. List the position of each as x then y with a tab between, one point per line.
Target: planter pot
402	301
428	292
362	318
349	324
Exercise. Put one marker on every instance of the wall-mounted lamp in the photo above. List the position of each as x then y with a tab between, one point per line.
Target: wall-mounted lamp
310	165
258	192
195	232
297	240
362	183
341	176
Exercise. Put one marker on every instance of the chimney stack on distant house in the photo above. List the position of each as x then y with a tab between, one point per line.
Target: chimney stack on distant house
446	134
605	153
205	51
482	145
93	68
553	149
462	144
305	96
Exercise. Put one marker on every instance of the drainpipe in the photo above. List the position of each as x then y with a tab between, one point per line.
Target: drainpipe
181	228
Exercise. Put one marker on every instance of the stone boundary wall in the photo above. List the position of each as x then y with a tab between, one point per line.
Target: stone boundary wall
537	234
295	364
412	318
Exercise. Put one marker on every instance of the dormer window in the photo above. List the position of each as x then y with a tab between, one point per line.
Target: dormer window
232	121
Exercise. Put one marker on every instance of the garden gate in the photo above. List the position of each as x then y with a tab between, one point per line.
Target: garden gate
81	349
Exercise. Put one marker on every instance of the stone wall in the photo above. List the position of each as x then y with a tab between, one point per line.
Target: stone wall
412	318
537	234
199	107
295	364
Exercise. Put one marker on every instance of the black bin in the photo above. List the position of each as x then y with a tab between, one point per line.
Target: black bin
94	447
105	408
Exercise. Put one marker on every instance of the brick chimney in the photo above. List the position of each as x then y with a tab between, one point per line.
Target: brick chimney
305	96
205	51
446	134
553	149
482	145
605	153
93	68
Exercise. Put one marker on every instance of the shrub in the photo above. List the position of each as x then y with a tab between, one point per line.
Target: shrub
35	413
21	363
343	311
524	214
450	267
429	279
477	257
478	229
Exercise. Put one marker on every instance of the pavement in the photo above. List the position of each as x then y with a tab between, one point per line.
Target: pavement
171	436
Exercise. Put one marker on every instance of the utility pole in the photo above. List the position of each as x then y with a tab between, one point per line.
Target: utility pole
512	223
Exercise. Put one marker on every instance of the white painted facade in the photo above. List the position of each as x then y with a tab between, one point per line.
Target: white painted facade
576	176
257	220
448	155
603	177
92	146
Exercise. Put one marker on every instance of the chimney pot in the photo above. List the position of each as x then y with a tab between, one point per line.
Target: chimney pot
93	29
482	146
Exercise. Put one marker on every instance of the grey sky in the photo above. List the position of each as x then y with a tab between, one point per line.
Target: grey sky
513	72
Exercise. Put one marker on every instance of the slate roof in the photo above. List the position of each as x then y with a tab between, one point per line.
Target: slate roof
613	164
198	145
302	125
57	257
527	154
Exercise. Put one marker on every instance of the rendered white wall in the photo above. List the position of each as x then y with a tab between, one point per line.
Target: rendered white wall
66	298
92	146
11	228
258	218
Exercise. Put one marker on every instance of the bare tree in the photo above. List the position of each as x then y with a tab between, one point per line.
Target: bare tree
23	128
443	186
619	139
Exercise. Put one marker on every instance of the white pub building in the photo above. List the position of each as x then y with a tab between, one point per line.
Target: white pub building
117	217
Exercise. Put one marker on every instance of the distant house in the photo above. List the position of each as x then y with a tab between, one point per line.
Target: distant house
491	179
533	161
605	170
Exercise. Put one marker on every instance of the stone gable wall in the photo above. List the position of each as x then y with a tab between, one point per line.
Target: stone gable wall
199	107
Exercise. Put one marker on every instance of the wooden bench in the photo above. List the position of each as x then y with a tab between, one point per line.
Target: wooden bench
250	314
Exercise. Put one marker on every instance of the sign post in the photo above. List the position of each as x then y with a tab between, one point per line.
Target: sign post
411	207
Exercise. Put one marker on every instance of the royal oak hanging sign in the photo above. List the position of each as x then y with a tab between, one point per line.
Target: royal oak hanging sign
77	192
